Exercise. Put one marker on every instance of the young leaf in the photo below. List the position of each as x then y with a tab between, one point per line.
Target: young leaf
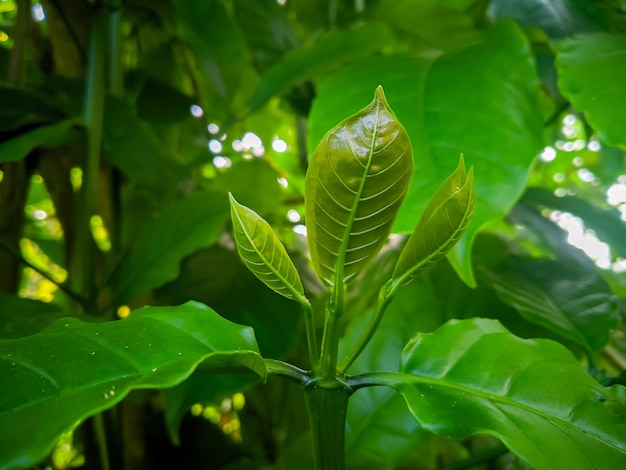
72	369
263	253
357	179
474	377
446	217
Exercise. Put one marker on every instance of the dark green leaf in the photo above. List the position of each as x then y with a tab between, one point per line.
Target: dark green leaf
73	369
480	101
473	376
592	72
264	254
154	258
21	108
356	181
21	317
133	147
441	225
45	136
577	306
329	52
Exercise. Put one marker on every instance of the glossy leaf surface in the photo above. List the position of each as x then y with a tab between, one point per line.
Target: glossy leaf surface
441	225
531	394
50	135
446	102
263	253
356	181
578	60
72	369
578	306
154	258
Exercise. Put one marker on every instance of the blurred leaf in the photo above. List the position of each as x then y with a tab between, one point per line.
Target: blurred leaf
264	254
73	370
22	317
577	306
606	223
558	18
22	108
52	135
210	32
480	101
267	30
441	225
154	258
133	147
531	394
592	71
161	103
329	52
356	180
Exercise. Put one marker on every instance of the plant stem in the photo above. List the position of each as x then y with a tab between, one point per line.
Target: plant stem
101	440
384	297
330	345
285	369
311	337
83	272
327	404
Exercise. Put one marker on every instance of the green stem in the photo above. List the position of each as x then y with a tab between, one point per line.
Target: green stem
330	345
311	336
384	297
101	440
284	369
327	404
83	272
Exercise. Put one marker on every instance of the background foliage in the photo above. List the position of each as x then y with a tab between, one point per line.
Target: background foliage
191	100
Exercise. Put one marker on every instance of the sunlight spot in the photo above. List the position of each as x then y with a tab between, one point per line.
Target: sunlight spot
196	111
40	214
237	145
300	229
594	146
283	182
239	401
76	178
582	238
222	162
577	161
250	141
100	234
585	175
616	194
3	36
154	369
559	177
293	215
279	145
548	154
215	146
213	128
196	409
39	14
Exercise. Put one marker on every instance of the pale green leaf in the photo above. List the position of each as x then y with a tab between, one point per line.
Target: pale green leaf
73	369
441	225
592	73
357	179
474	377
263	253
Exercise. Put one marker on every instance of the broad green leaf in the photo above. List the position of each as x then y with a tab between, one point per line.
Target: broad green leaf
474	377
264	254
576	305
21	317
441	225
480	101
155	255
592	72
72	369
133	146
329	52
44	136
356	181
